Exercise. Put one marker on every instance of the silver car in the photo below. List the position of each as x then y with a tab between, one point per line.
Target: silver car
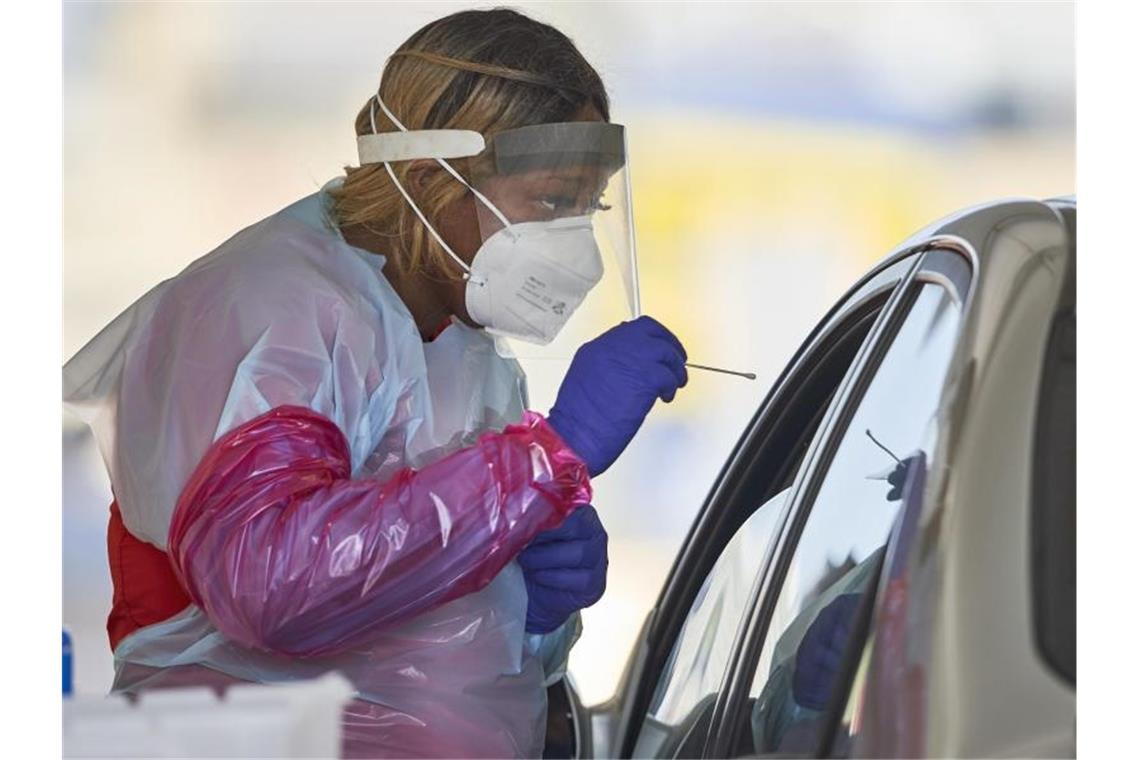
886	565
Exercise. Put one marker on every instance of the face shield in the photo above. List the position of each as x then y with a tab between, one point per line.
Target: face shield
570	171
552	203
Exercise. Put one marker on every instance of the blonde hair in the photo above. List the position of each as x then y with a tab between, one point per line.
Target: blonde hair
485	71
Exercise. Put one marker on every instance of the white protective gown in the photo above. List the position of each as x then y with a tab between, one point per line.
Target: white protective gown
286	312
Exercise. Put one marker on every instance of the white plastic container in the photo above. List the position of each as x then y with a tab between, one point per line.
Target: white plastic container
300	719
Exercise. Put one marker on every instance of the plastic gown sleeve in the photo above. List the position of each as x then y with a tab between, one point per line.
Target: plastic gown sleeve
286	553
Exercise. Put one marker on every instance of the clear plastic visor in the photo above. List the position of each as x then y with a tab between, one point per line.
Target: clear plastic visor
555	171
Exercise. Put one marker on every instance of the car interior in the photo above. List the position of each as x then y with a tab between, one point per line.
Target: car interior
561	723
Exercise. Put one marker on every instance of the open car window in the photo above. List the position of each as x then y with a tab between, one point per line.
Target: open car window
877	453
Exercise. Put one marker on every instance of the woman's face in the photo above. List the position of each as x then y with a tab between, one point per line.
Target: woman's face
531	196
542	195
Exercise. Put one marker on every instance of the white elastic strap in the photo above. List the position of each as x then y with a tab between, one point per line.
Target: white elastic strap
392	117
434	234
486	201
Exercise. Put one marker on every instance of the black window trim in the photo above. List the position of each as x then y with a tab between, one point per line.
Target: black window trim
1052	558
733	696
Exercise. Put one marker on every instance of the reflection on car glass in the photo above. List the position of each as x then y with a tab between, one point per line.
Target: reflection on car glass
700	654
786	716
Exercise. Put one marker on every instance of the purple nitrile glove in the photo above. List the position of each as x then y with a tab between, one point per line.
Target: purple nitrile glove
612	383
564	570
897	478
820	652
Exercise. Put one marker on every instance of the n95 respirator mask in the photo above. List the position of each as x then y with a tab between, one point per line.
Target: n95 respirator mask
528	278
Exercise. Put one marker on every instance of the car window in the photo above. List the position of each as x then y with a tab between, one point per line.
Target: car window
884	447
700	656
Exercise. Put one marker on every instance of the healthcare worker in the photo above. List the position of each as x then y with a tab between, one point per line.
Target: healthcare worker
322	458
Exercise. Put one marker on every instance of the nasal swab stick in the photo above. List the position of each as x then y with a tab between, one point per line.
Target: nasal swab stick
746	375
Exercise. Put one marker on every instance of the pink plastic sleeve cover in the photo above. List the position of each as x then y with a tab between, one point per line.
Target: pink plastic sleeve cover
286	553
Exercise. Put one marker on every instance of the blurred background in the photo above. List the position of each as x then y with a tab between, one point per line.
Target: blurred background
777	150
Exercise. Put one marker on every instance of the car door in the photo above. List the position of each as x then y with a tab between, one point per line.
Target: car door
665	696
694	679
837	588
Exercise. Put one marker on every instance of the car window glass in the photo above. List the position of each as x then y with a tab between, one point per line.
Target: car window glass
699	658
883	448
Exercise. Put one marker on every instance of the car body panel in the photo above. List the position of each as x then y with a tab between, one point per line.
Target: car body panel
985	692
